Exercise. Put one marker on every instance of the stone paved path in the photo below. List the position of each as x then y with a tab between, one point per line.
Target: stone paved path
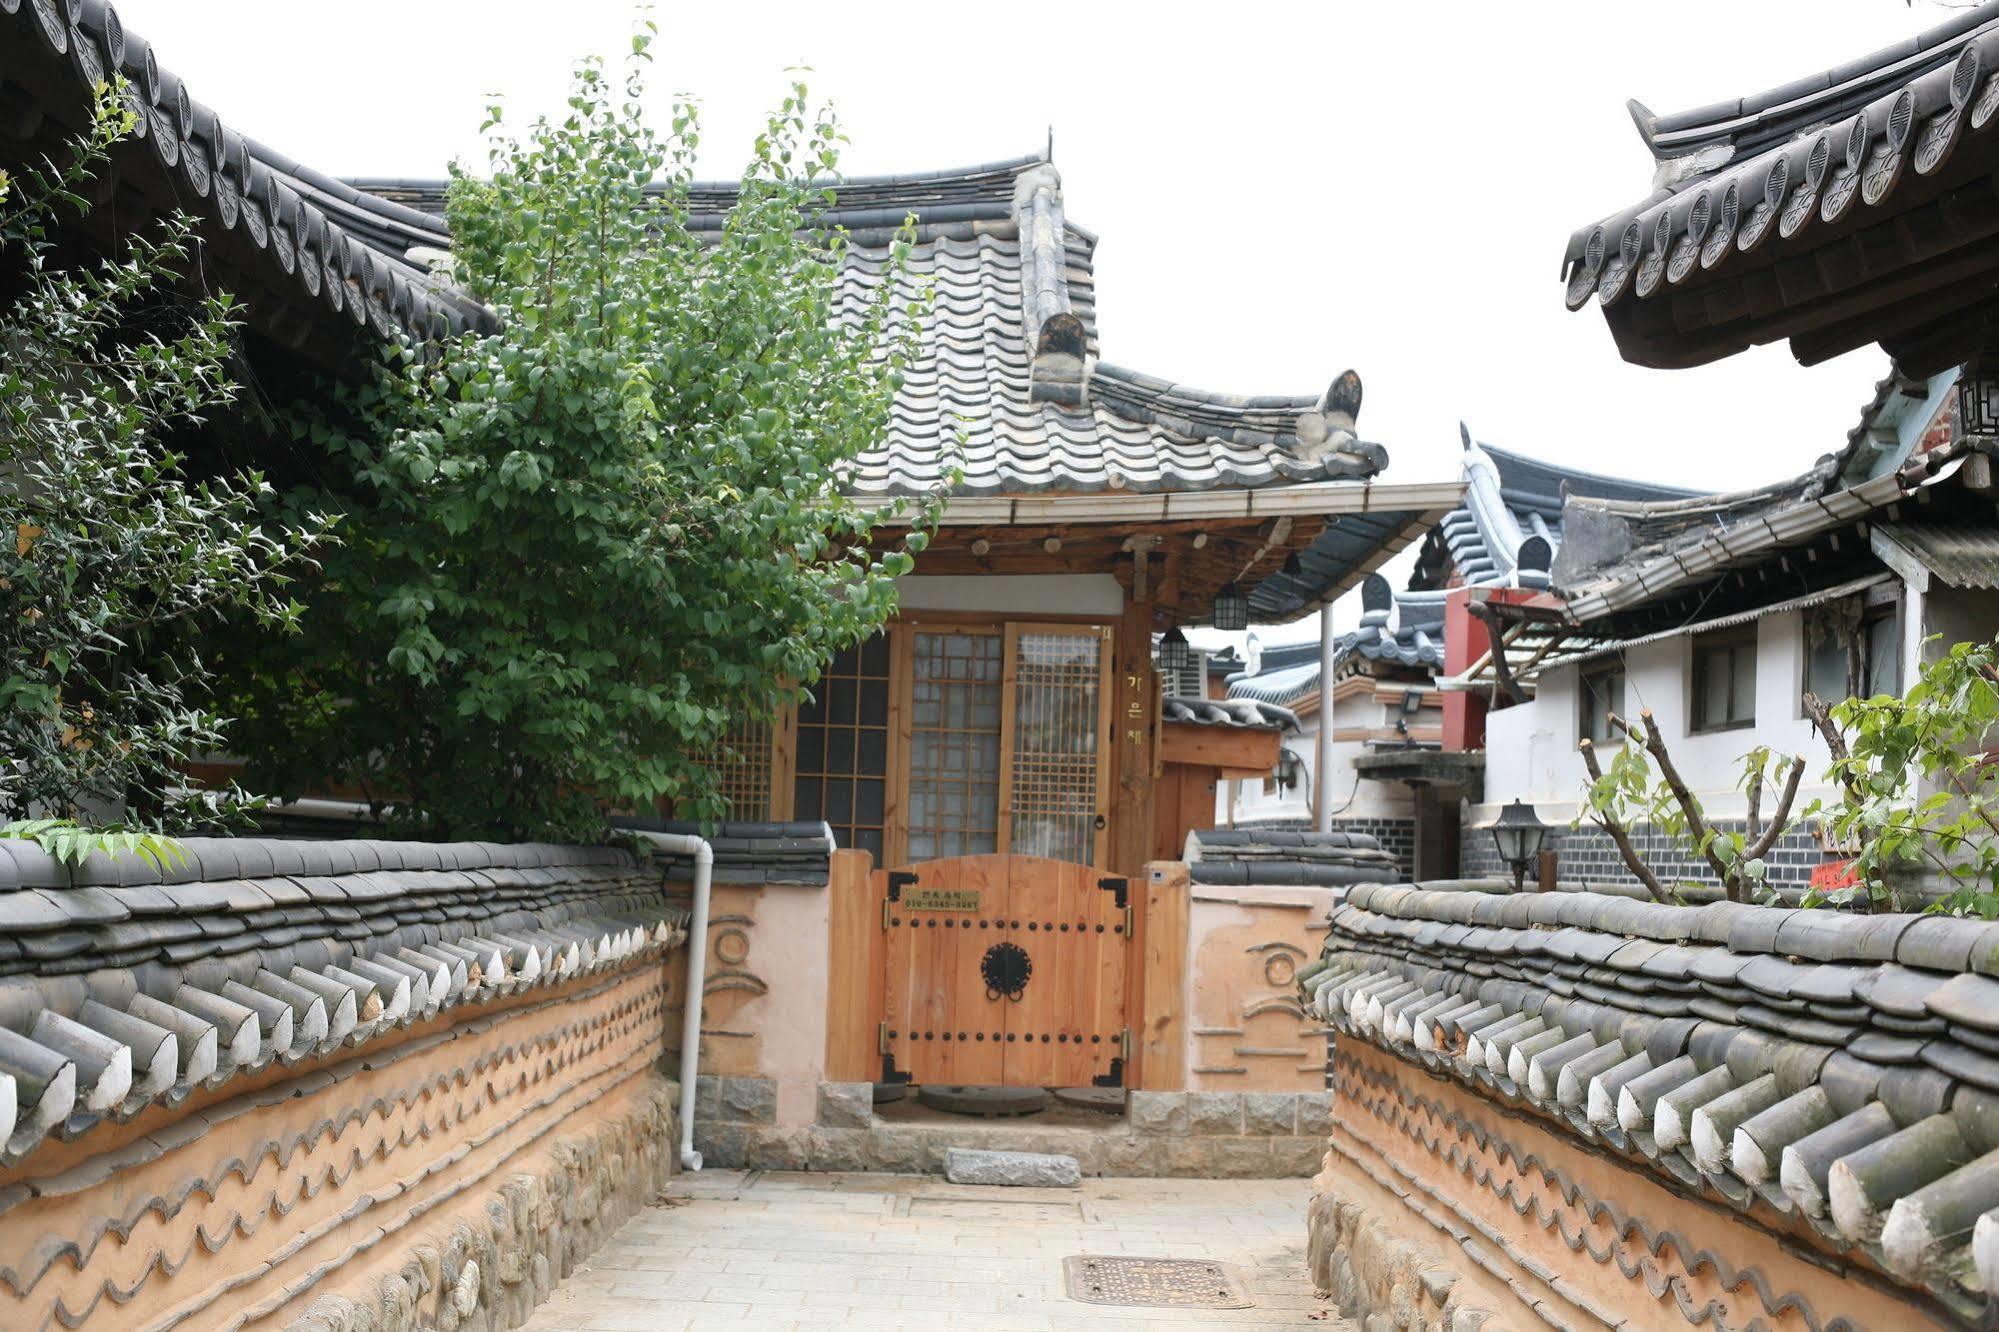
745	1250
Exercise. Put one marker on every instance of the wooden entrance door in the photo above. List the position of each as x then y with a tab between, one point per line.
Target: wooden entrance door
1004	970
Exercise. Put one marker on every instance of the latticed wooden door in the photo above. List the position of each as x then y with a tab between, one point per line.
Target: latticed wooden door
1054	783
1004	970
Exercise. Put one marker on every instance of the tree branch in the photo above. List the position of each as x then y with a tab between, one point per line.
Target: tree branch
1655	745
1755	820
1502	670
1621	839
1780	817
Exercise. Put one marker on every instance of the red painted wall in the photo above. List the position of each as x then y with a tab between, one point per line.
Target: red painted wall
1465	641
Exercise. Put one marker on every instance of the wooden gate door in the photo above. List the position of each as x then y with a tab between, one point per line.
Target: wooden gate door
1004	970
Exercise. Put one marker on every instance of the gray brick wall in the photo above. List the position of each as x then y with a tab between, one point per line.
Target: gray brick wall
1588	854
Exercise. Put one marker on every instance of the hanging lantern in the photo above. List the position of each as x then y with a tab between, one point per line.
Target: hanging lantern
1231	608
1175	654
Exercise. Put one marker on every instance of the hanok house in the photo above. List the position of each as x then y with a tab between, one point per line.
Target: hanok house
1000	752
1574	1109
1718	612
1409	753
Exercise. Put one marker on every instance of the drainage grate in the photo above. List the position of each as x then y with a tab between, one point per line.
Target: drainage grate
1154	1283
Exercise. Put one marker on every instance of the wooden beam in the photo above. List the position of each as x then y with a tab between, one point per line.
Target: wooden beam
1244	747
1134	717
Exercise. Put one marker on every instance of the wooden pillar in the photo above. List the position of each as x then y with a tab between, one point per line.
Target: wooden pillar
1135	732
855	969
1158	1014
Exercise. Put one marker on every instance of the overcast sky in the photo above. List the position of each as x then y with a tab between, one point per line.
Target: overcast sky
1281	190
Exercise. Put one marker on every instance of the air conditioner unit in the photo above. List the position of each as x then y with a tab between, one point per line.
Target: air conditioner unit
1190	681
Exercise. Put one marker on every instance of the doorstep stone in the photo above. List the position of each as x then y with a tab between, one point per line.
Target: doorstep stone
970	1165
846	1105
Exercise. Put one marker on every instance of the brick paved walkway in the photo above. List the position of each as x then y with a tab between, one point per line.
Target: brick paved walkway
748	1250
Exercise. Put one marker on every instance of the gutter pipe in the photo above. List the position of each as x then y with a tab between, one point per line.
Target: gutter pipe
683	844
1322	786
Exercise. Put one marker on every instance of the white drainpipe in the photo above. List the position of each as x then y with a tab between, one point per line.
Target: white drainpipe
682	844
1322	779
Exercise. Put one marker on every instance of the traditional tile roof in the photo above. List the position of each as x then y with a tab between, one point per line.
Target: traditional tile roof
792	852
1827	1074
1235	712
1396	629
1008	387
1278	857
1636	553
317	261
122	987
1841	208
1009	358
1509	530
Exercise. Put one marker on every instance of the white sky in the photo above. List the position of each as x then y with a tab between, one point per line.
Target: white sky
1282	190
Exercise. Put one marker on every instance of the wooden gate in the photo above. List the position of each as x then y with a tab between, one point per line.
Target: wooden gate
1004	970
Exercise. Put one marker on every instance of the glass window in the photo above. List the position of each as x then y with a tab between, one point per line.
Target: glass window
1602	693
1881	635
1826	668
1849	655
954	744
1724	681
842	754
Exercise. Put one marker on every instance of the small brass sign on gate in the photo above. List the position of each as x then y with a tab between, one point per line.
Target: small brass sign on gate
940	899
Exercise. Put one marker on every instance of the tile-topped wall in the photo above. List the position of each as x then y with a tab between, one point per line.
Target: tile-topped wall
1740	1071
401	1028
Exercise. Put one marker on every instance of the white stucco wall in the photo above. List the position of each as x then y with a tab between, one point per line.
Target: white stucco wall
1370	800
1531	752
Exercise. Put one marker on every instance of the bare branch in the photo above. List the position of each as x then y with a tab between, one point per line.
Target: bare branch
1654	741
1780	817
1622	840
1755	793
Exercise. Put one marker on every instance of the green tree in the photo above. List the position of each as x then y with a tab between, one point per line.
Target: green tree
578	548
114	556
1917	784
1919	788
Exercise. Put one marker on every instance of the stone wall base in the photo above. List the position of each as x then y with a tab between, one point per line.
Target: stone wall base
1188	1135
1380	1278
484	1261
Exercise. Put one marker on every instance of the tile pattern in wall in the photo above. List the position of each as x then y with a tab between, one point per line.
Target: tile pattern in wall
1588	854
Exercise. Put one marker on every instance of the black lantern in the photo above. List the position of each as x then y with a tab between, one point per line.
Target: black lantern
1175	654
1231	608
1518	833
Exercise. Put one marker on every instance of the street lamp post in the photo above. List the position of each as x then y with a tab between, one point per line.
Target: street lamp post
1518	833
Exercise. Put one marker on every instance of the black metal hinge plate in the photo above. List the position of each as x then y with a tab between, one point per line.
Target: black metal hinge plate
897	881
1120	888
1114	1078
